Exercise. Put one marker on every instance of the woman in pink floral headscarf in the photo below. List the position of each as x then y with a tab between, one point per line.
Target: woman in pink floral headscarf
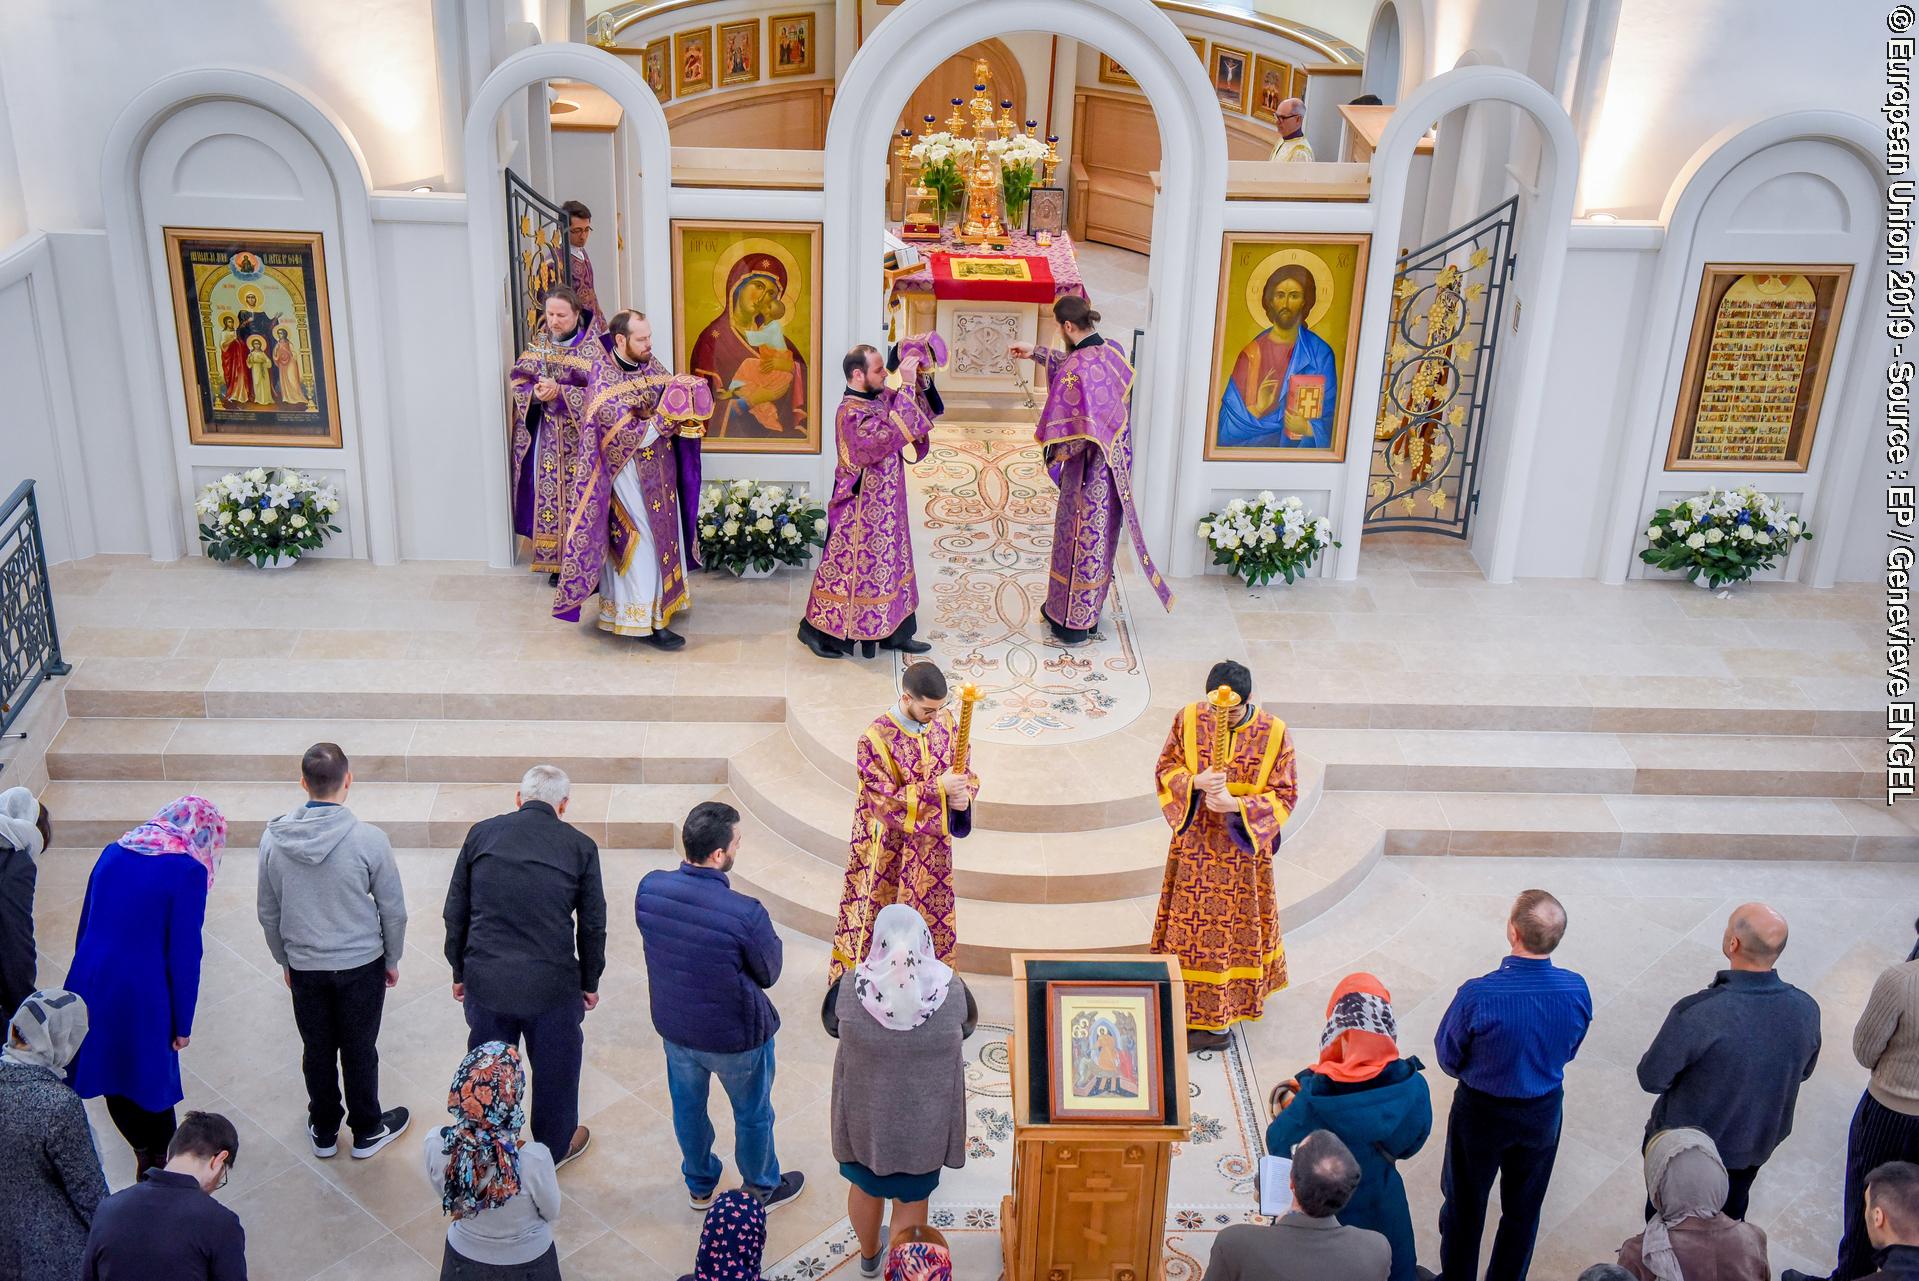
136	963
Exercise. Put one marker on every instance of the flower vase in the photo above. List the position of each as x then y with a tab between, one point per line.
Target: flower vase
279	560
1725	585
753	571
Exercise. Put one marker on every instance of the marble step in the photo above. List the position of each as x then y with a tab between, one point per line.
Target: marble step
781	788
645	689
804	892
620	816
401	751
1641	764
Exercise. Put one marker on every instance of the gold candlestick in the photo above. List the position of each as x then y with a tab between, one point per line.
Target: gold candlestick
962	743
1224	700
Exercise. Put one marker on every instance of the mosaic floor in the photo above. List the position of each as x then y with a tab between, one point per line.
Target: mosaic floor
983	543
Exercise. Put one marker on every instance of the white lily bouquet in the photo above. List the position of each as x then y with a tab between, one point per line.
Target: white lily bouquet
265	516
1019	158
744	523
1267	537
1723	535
938	156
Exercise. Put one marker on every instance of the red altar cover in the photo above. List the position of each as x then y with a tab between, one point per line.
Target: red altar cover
949	285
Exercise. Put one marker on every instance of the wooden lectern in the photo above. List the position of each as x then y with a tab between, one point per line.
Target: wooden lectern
1089	1198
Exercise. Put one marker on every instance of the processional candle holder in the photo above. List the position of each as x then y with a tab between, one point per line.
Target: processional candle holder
962	741
1224	700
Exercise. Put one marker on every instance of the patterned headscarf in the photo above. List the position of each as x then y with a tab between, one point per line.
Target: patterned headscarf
482	1145
1361	1034
732	1240
1685	1179
919	1261
191	825
47	1030
902	981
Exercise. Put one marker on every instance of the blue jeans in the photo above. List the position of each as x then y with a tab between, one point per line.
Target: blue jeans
747	1078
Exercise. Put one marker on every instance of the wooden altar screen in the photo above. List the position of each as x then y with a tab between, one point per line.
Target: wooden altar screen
1089	1198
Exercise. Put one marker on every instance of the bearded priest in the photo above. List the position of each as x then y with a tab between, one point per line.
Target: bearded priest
863	592
636	413
555	465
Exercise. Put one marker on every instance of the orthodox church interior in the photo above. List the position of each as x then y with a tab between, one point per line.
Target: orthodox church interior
1504	301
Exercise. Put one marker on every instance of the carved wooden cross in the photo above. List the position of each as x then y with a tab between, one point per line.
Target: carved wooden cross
1100	1193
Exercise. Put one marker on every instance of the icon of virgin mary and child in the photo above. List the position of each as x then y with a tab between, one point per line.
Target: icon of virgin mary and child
757	374
1285	383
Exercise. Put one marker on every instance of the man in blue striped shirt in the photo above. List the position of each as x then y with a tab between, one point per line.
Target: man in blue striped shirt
1507	1037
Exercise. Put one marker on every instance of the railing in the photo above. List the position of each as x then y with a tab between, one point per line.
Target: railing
29	639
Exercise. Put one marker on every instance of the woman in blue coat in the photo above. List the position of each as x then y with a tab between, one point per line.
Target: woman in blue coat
1375	1101
136	963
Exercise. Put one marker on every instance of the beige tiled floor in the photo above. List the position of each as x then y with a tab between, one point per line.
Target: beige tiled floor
1644	934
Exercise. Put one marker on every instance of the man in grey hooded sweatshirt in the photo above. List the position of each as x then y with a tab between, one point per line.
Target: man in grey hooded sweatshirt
335	920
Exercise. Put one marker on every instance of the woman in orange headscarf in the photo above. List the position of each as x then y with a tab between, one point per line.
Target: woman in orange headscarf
1374	1100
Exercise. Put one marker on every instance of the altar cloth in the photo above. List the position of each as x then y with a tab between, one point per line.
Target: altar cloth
1060	263
979	277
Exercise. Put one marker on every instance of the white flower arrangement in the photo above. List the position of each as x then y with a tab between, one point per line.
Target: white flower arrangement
1725	535
746	522
260	516
1267	537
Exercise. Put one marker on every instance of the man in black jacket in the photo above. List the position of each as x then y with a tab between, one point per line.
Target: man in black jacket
1730	1059
168	1224
526	890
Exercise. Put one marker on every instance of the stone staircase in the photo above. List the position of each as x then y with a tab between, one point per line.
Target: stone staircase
1068	847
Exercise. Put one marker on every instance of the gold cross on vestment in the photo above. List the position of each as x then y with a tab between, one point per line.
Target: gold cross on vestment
656	504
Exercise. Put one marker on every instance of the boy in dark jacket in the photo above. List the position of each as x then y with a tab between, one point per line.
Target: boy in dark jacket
711	953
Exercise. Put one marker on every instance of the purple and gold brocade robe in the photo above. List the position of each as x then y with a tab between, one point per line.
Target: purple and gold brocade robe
1217	909
622	413
864	586
1088	444
556	474
582	280
903	832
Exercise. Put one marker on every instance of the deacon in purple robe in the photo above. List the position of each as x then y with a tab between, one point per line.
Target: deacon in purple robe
578	269
1088	444
864	592
636	410
555	468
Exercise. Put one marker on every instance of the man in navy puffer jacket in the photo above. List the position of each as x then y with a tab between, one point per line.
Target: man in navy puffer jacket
711	953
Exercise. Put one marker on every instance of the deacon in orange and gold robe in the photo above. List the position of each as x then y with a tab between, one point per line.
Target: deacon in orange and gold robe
1217	909
911	807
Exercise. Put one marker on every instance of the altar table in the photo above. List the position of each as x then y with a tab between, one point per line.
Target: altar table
979	327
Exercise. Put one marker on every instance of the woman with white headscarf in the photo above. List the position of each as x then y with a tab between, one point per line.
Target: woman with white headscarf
24	836
899	1078
1687	1238
54	1181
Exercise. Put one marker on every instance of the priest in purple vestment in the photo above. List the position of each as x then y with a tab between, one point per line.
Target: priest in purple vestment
1088	442
556	478
864	592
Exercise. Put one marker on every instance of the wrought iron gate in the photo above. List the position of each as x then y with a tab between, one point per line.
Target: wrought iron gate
536	252
29	638
1447	301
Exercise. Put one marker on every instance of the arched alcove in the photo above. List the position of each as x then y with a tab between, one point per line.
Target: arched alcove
1185	261
1725	206
1395	50
1522	373
486	229
246	103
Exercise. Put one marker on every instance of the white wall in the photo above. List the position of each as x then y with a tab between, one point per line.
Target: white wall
70	66
1682	72
584	170
421	245
102	401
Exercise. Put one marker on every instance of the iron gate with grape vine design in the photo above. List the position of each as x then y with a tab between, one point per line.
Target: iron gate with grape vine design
537	257
1447	301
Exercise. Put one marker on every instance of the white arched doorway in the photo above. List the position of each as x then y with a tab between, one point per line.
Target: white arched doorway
1522	378
1806	187
486	230
1183	272
239	104
1395	50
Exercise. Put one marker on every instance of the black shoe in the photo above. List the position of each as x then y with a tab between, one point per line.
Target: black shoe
907	646
665	638
1198	1041
792	1183
393	1124
1794	1274
812	641
324	1145
553	579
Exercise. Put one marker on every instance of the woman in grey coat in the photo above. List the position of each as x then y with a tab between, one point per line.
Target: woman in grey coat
899	1079
54	1181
